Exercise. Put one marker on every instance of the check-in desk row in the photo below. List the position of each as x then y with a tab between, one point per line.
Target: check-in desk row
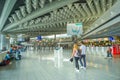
100	51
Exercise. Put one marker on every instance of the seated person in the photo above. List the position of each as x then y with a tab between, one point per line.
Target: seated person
13	52
6	60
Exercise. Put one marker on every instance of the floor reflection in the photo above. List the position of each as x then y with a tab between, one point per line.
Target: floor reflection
58	58
81	75
55	65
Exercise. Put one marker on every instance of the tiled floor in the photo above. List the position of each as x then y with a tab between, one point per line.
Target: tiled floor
44	65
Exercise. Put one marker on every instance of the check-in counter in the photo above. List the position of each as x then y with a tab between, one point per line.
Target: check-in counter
100	51
2	55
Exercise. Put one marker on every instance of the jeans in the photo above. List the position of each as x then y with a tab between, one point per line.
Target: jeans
83	63
109	55
76	62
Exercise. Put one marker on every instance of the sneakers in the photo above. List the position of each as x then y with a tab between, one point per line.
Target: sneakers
84	68
77	70
81	67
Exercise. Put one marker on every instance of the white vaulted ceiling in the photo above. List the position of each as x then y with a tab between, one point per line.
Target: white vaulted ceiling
46	17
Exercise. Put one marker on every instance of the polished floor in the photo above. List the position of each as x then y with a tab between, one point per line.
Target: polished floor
46	65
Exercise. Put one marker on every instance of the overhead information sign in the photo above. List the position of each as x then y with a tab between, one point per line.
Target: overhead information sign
74	29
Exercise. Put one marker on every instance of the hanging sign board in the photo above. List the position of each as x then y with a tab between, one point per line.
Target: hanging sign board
74	29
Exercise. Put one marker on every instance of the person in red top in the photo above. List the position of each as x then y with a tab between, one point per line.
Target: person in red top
109	52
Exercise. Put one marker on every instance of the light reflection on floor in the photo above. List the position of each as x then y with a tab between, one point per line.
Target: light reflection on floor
58	59
48	65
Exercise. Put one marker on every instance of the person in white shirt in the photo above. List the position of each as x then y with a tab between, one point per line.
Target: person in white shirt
83	55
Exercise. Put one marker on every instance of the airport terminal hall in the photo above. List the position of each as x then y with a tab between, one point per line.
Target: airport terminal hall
59	39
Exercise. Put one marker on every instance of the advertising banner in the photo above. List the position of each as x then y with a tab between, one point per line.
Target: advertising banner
74	29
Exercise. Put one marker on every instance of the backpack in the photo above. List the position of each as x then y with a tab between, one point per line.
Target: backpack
79	52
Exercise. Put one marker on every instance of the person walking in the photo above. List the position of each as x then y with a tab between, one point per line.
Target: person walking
82	49
109	52
75	56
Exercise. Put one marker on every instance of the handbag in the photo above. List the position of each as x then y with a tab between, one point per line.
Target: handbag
71	59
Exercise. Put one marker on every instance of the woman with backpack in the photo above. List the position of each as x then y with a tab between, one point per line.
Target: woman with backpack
75	56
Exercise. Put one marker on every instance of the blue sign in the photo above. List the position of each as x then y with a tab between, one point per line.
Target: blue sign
111	38
39	37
